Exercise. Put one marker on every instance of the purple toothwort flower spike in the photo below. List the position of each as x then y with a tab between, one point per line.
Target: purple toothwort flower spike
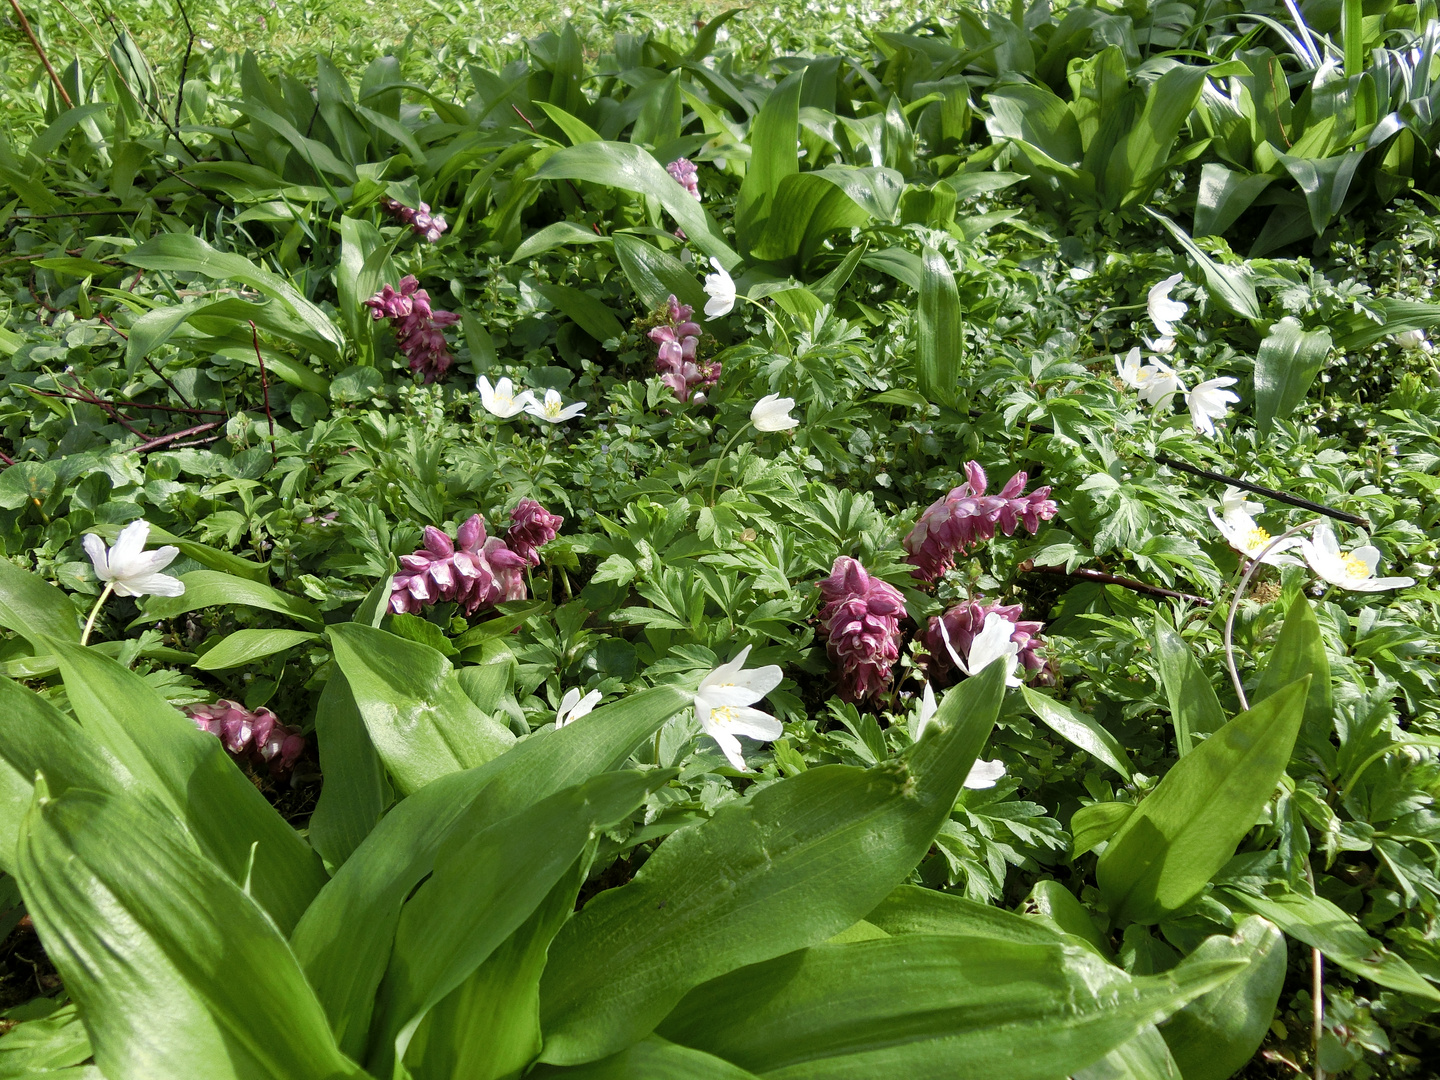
962	622
257	737
685	174
860	618
677	360
419	328
967	516
474	571
425	224
531	528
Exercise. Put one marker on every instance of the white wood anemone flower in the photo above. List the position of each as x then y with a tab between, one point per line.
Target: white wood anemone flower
983	774
501	400
991	644
1163	311
720	288
723	706
1237	525
553	409
772	413
1210	401
1159	382
1352	570
573	706
128	569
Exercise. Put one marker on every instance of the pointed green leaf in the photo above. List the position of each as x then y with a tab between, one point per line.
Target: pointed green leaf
31	606
774	155
1084	731
1190	825
246	646
1300	651
802	860
356	792
941	337
1194	708
211	588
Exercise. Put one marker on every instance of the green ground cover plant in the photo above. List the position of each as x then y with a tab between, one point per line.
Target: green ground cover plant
718	543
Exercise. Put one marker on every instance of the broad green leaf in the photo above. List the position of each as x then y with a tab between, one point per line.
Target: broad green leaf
1229	286
588	313
931	1007
941	336
1194	708
169	758
1321	925
1056	906
211	588
654	275
37	737
356	791
653	1058
802	860
203	985
913	910
488	1027
1079	729
1146	148
244	646
811	206
1300	651
774	155
31	606
632	168
484	886
1289	359
1145	1057
575	129
1325	182
344	940
190	254
26	483
1216	1034
1190	825
420	720
556	234
1092	825
219	318
1224	195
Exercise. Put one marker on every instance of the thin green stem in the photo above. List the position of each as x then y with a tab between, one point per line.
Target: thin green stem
773	321
715	481
1235	606
94	611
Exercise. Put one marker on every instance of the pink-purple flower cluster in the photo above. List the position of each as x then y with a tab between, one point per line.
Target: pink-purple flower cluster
685	174
860	617
968	516
531	528
254	736
419	328
962	623
421	221
474	570
677	363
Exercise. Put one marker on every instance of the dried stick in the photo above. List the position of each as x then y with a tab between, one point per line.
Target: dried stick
264	390
6	458
40	52
1029	567
1258	489
198	429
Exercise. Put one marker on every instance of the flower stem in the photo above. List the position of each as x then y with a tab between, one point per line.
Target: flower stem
773	321
715	481
94	611
1235	605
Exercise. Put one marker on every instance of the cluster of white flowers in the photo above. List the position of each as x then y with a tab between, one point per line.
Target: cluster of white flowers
502	401
1353	570
1157	382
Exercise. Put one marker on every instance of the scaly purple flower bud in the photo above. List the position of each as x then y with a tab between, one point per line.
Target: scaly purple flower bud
962	623
684	172
860	618
679	342
967	516
419	329
474	570
257	737
421	221
531	528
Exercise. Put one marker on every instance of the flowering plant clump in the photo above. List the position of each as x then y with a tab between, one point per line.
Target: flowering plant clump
257	737
967	516
419	328
686	175
425	224
961	624
678	361
531	528
860	618
474	570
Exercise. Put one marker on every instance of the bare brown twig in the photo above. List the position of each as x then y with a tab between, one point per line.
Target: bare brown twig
1029	567
264	389
40	52
198	429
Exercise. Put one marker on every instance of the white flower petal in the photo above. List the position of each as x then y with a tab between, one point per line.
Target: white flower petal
984	774
99	558
928	708
129	545
150	584
730	747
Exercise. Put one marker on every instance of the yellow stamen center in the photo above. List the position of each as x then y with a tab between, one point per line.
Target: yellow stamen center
1256	539
1355	568
723	715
